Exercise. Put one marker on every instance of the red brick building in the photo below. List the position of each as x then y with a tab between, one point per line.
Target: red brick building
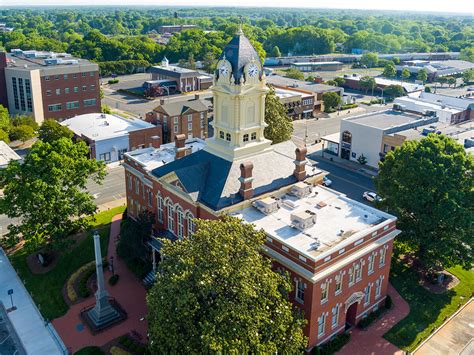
181	117
336	250
49	85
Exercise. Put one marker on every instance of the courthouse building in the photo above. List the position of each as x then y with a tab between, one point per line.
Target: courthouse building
336	250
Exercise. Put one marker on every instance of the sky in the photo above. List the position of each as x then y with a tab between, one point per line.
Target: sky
460	6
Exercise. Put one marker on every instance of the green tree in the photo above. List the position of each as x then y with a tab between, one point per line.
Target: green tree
442	80
331	101
294	73
105	109
280	126
428	89
370	60
209	62
468	54
367	83
4	136
191	64
25	120
422	75
468	76
331	82
389	71
51	130
451	81
394	91
4	119
340	81
21	133
276	52
47	192
434	205
216	293
362	159
405	74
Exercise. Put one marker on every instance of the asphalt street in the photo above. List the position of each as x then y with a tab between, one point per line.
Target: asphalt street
349	182
112	189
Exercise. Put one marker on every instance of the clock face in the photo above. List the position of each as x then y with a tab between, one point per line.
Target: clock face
253	70
223	70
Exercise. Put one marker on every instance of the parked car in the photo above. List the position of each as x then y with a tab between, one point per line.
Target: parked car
326	181
470	88
371	196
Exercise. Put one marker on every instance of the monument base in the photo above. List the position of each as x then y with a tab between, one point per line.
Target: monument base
99	319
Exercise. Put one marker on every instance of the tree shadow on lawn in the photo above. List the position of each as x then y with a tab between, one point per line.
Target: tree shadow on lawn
427	310
46	289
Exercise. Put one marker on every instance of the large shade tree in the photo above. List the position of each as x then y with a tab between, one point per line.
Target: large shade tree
280	126
47	193
216	293
51	130
429	185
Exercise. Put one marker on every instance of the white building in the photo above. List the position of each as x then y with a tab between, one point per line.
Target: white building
110	136
7	154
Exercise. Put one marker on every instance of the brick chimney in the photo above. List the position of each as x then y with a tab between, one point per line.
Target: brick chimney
246	189
155	141
196	96
151	117
180	141
300	163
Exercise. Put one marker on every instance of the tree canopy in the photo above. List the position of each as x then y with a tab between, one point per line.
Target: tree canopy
394	91
422	75
331	100
46	192
216	293
367	83
389	71
429	185
51	130
370	60
280	126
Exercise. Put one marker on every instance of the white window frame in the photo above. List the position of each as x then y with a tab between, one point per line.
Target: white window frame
150	198
367	294
137	186
383	255
191	224
358	272
370	267
338	287
159	207
378	287
170	212
180	222
324	292
190	126
299	291
321	325
351	276
335	316
190	118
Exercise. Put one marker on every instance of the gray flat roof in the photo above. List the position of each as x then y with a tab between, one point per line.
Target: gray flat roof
384	119
35	336
38	63
300	84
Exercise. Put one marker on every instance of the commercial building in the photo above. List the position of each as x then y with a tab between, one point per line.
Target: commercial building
353	82
306	87
448	109
373	135
186	79
7	154
110	136
436	69
298	103
317	66
181	117
49	85
175	28
337	251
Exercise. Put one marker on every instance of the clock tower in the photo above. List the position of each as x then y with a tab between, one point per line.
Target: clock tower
239	102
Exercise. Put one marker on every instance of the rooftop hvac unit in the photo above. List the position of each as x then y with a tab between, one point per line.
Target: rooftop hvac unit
267	205
301	189
303	220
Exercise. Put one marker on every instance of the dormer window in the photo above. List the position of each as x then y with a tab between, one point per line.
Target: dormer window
227	137
221	135
254	136
246	137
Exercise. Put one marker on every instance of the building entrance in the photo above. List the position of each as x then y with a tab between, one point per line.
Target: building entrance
351	315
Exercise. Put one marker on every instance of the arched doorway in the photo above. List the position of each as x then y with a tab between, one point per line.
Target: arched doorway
346	143
351	315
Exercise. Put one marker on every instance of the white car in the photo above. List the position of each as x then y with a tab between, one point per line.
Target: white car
371	196
326	181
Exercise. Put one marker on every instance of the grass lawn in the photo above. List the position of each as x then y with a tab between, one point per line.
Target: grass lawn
427	310
46	288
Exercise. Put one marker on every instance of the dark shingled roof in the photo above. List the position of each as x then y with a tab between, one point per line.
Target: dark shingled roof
239	51
214	181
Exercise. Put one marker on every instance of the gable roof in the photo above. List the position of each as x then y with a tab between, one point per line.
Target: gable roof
179	107
214	181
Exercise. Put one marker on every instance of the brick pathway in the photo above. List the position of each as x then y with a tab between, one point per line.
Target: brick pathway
129	292
370	341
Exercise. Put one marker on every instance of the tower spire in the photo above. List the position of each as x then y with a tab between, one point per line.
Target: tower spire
240	31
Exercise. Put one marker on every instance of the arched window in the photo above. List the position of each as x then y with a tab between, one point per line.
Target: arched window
346	137
159	204
180	218
191	224
170	217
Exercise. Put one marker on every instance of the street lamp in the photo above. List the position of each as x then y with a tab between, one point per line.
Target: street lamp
111	265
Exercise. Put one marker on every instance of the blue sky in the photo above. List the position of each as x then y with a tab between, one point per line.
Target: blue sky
460	6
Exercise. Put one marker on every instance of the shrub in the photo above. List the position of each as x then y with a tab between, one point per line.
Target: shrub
113	280
365	322
332	346
71	293
113	81
22	133
83	290
89	350
388	302
348	106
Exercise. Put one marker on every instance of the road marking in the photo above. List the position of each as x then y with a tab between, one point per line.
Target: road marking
351	182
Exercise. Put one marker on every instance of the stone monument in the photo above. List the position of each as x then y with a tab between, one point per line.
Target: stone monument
105	313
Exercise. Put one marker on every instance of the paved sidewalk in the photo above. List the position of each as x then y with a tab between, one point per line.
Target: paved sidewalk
455	336
130	294
370	341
